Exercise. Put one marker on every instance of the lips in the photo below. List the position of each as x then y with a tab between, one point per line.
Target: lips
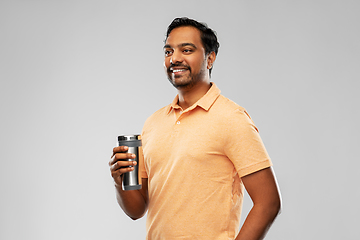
178	69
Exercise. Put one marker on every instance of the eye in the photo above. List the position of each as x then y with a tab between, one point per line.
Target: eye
167	53
187	51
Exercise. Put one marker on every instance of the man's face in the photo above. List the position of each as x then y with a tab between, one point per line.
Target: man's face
185	61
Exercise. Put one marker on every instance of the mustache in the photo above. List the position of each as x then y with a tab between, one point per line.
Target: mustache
177	65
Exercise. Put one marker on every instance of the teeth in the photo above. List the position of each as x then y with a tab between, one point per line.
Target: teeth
179	70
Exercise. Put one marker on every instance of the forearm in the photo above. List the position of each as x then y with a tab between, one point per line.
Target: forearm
258	222
132	202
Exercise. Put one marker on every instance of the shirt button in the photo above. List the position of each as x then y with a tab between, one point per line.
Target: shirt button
178	122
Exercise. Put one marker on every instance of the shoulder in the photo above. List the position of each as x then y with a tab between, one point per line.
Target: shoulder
232	114
229	107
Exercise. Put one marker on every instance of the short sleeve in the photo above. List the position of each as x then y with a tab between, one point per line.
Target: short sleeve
243	145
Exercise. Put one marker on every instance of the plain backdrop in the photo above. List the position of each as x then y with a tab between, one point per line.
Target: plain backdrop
76	74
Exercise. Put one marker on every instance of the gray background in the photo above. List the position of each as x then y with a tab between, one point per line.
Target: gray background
75	74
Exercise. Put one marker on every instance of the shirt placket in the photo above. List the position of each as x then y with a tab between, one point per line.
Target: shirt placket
178	116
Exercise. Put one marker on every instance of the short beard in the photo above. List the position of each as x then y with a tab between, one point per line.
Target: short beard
194	79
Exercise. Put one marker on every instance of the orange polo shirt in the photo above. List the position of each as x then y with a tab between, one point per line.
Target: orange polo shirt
194	160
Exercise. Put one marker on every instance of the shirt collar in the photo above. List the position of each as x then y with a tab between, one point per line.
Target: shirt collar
205	102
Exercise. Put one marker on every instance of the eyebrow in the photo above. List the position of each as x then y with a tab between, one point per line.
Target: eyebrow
181	45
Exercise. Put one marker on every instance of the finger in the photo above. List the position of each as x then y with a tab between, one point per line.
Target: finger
122	165
120	149
121	157
123	170
120	171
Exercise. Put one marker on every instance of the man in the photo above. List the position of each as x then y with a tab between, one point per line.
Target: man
199	153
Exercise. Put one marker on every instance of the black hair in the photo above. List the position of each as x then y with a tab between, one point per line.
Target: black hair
208	36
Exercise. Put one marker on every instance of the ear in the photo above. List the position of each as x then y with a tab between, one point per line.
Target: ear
210	60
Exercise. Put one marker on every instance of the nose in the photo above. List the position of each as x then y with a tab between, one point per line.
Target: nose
176	57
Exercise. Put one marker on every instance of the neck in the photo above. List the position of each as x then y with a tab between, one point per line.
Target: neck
187	97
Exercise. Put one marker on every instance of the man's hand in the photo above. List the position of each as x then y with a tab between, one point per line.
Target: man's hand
119	163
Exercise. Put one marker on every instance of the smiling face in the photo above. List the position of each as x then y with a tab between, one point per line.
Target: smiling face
185	60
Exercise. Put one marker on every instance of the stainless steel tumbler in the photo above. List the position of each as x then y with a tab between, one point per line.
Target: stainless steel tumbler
131	179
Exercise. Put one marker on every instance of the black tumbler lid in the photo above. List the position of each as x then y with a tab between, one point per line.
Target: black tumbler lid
129	137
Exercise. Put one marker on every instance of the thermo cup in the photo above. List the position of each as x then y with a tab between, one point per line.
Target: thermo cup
131	179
